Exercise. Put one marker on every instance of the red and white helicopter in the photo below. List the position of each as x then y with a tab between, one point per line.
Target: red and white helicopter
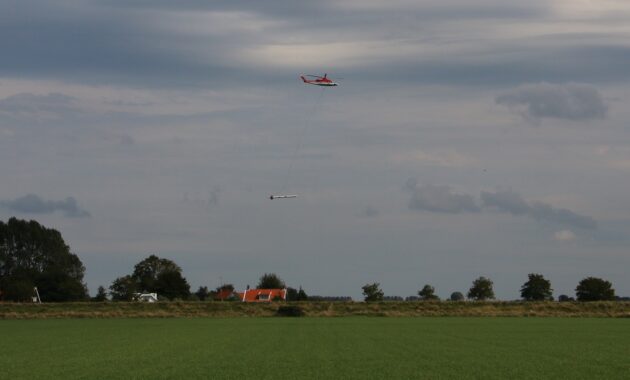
319	81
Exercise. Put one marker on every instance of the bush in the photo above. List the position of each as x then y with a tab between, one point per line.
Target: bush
457	296
290	311
594	289
372	292
428	293
270	281
537	288
481	289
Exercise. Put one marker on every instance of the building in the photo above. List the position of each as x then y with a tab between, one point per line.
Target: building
263	295
145	297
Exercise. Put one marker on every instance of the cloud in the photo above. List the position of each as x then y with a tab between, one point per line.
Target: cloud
511	202
442	200
198	43
506	201
212	199
564	235
368	212
34	107
439	199
126	140
213	196
543	211
449	159
559	101
32	204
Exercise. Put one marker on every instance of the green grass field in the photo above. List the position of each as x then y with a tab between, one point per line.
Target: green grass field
316	348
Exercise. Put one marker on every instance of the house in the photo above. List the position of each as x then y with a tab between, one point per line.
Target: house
263	295
145	297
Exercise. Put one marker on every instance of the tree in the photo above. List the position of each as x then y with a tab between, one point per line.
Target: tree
171	285
270	281
537	288
123	288
101	295
20	288
296	295
33	255
301	296
292	294
481	289
594	289
202	293
58	286
373	292
225	292
225	288
428	293
457	296
565	298
153	275
147	271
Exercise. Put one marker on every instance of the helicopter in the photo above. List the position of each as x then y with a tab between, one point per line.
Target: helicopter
316	81
319	81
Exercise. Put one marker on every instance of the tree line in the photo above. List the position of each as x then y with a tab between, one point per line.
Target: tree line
35	257
536	288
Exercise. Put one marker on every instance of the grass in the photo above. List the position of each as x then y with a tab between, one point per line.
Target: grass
313	309
316	348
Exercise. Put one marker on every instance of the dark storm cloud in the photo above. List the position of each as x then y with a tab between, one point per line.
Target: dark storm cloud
559	101
32	204
510	202
90	43
326	10
277	8
440	199
502	65
135	43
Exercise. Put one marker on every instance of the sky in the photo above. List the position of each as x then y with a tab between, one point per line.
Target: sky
467	138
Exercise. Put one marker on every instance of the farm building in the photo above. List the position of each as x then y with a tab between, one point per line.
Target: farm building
251	295
146	297
263	295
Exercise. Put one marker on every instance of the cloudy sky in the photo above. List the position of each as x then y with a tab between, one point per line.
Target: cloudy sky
467	138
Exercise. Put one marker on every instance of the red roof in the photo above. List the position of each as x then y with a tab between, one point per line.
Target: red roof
223	294
264	295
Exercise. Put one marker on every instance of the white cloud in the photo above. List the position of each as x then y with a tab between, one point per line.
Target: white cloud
564	235
590	9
